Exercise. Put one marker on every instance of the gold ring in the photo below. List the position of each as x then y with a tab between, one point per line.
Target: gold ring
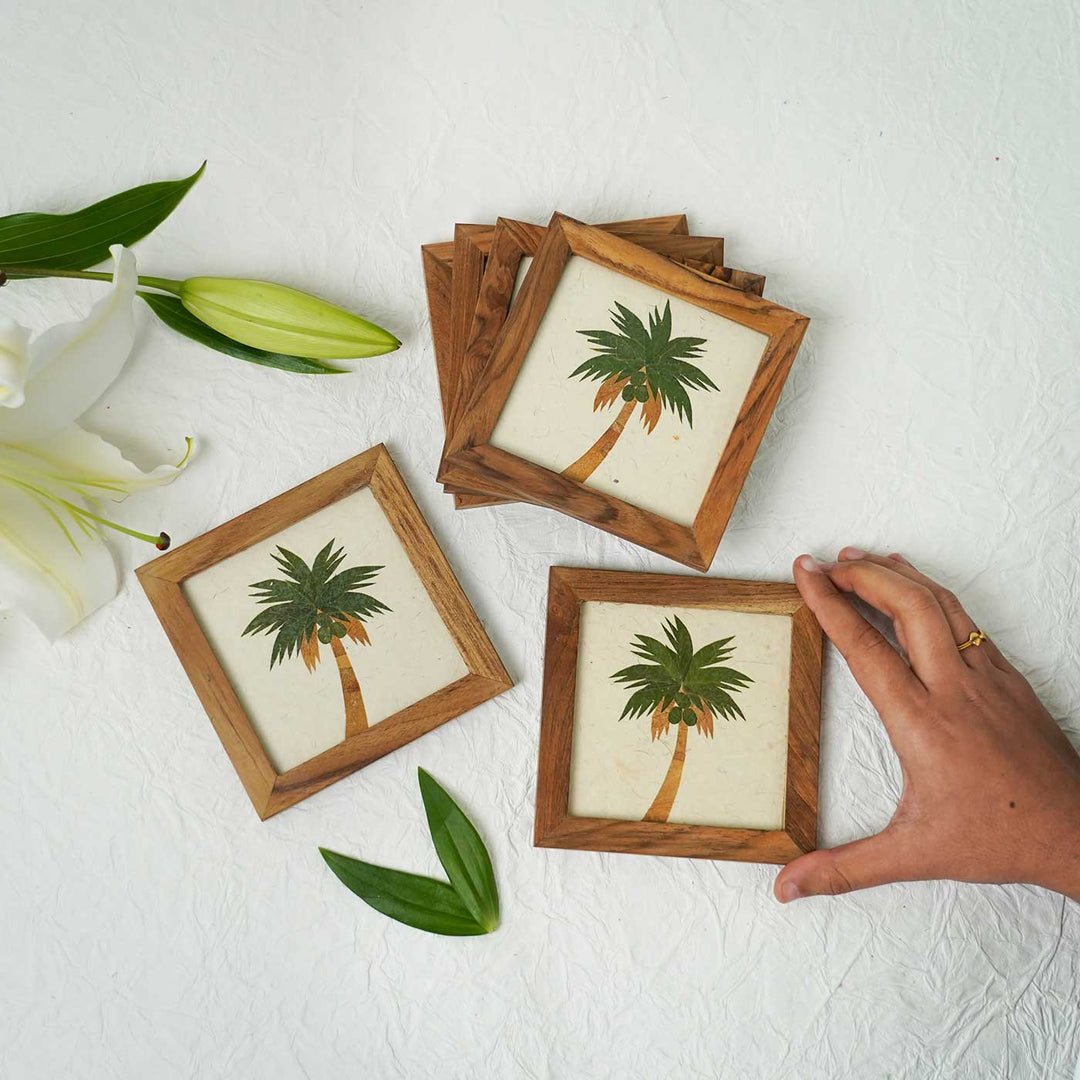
976	638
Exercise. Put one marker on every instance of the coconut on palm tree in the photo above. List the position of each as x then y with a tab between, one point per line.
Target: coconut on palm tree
641	366
315	605
682	688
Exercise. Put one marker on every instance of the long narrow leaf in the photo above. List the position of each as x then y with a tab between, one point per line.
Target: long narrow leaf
81	239
177	317
461	852
421	902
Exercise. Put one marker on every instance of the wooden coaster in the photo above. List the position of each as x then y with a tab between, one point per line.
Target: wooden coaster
526	421
446	264
515	241
598	805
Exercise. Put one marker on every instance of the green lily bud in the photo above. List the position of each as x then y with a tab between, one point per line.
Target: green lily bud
282	320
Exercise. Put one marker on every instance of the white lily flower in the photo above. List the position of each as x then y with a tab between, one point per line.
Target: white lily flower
54	565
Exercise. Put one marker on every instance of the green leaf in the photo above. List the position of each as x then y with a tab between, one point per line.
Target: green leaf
461	852
292	564
326	562
173	314
81	239
670	391
692	376
650	649
660	326
417	901
644	701
713	653
630	325
679	637
720	702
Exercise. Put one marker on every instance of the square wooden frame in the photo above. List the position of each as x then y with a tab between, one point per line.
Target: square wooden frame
270	791
452	299
472	461
467	254
513	241
555	827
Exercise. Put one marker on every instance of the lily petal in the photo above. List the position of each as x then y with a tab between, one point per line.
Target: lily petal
75	462
14	362
49	569
73	364
54	565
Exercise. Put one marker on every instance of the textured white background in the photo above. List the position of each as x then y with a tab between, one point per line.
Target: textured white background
905	174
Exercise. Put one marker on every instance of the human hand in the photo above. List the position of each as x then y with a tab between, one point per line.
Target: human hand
991	785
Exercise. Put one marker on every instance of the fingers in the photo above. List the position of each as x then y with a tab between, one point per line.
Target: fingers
960	622
877	860
920	622
877	666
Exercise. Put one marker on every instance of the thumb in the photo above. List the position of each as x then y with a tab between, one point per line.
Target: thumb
859	865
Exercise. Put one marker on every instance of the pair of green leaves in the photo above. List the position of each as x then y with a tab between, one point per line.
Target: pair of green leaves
79	240
467	905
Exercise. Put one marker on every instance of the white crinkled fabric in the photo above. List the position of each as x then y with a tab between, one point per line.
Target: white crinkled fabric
903	174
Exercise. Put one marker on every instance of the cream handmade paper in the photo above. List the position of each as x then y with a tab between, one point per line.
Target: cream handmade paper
549	417
298	713
737	778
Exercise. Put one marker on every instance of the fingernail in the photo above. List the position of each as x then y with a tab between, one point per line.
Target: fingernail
897	557
852	553
790	891
811	565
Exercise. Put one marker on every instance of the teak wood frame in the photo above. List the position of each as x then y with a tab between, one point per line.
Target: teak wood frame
568	589
472	461
502	252
270	791
439	261
479	299
453	273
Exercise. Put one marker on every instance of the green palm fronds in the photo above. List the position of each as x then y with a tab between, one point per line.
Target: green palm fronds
312	601
647	360
678	678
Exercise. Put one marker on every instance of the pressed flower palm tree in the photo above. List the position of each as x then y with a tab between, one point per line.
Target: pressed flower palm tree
642	366
315	605
682	688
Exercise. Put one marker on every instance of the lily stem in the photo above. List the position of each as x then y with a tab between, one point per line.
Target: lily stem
164	284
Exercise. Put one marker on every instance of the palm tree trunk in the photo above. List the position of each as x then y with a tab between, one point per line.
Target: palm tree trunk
355	713
665	797
588	463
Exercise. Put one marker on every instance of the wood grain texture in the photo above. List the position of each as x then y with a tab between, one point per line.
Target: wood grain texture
470	249
270	791
494	305
743	280
568	588
507	244
471	246
212	687
470	460
510	242
480	351
438	263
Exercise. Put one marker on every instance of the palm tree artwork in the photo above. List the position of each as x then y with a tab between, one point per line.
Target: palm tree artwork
319	605
642	366
682	688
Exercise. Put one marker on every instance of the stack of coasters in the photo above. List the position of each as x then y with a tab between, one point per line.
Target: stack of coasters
621	374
